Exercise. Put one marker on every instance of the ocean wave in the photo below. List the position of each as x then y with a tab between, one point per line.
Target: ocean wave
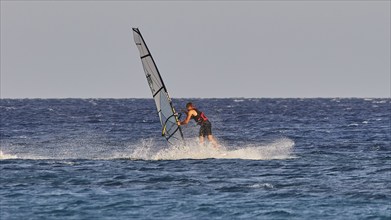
148	149
4	156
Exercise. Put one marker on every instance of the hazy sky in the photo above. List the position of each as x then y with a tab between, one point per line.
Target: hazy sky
85	49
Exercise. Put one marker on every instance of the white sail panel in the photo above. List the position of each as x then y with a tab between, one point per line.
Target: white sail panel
167	115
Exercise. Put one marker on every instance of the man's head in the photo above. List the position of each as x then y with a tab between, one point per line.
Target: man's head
189	106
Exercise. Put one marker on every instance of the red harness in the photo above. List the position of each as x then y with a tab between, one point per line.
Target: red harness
200	117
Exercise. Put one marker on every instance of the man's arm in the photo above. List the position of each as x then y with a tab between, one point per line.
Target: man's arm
189	114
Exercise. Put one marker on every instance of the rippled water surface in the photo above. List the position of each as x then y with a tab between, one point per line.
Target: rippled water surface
279	159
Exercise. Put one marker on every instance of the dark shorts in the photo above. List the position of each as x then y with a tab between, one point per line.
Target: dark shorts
205	129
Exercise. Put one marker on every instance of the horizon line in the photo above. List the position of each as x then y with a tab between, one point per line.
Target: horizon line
336	97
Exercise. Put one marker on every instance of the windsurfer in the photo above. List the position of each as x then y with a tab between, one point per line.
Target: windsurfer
202	120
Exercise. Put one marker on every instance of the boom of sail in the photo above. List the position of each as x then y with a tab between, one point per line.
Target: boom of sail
168	117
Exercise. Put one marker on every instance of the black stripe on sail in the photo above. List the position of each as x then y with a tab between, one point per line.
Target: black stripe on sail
148	55
158	91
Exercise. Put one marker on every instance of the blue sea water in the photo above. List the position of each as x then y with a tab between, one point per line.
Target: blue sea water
279	159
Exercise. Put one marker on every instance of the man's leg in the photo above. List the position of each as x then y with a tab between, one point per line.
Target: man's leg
212	140
201	140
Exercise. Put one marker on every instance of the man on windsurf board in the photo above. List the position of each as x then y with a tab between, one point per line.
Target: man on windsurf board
202	120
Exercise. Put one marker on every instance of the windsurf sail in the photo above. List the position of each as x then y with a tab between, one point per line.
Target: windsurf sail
168	117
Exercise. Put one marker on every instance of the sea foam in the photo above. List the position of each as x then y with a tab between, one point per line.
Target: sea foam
278	149
4	156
